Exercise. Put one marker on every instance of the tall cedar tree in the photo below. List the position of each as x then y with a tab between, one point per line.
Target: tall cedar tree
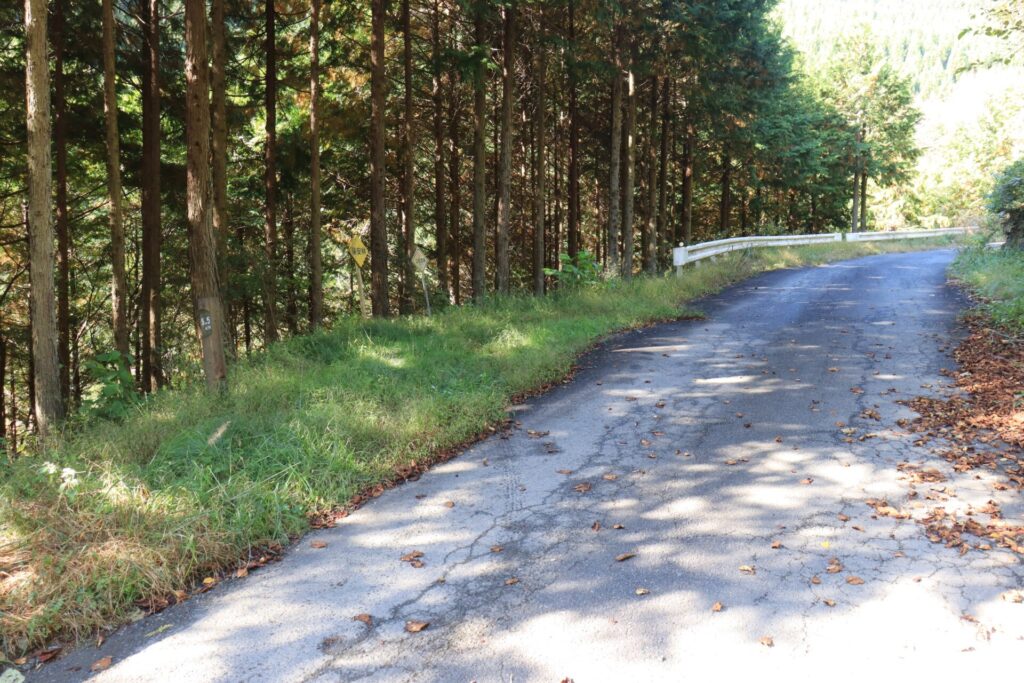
540	149
202	245
316	269
408	150
270	178
60	150
508	44
152	377
479	275
119	285
378	229
47	404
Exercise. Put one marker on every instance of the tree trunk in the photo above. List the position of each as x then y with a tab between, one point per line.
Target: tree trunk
316	269
725	205
505	156
686	214
440	217
202	245
743	209
540	143
60	147
614	187
31	411
48	406
76	347
573	227
270	180
855	213
378	230
555	240
662	227
119	285
13	431
864	201
628	174
219	140
408	230
455	179
291	308
479	157
151	237
3	392
650	236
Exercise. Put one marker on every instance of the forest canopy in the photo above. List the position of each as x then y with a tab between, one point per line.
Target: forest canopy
199	167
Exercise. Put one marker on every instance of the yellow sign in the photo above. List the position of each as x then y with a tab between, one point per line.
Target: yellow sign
358	250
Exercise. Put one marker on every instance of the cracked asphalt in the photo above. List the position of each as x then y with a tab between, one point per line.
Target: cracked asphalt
698	446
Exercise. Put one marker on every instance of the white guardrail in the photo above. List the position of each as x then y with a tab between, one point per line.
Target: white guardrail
696	252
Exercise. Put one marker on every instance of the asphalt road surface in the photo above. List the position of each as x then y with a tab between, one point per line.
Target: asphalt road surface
724	453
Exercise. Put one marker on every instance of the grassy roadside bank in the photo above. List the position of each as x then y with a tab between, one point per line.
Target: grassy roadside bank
117	513
997	277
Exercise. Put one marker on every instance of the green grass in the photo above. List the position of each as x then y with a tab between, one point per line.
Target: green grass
186	484
997	276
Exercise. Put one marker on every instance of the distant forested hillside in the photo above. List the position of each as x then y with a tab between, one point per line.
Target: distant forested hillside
973	118
917	37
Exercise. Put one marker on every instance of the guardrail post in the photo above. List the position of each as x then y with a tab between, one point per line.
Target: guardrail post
679	257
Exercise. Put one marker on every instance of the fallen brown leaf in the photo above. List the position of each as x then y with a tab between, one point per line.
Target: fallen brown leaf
816	580
717	607
776	545
317	544
416	626
854	580
49	653
767	641
582	487
101	664
511	581
829	602
365	618
624	556
748	569
641	591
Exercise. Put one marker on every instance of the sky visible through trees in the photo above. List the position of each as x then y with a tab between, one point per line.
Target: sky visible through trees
188	174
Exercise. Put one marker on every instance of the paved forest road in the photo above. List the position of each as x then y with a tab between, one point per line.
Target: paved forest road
649	429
